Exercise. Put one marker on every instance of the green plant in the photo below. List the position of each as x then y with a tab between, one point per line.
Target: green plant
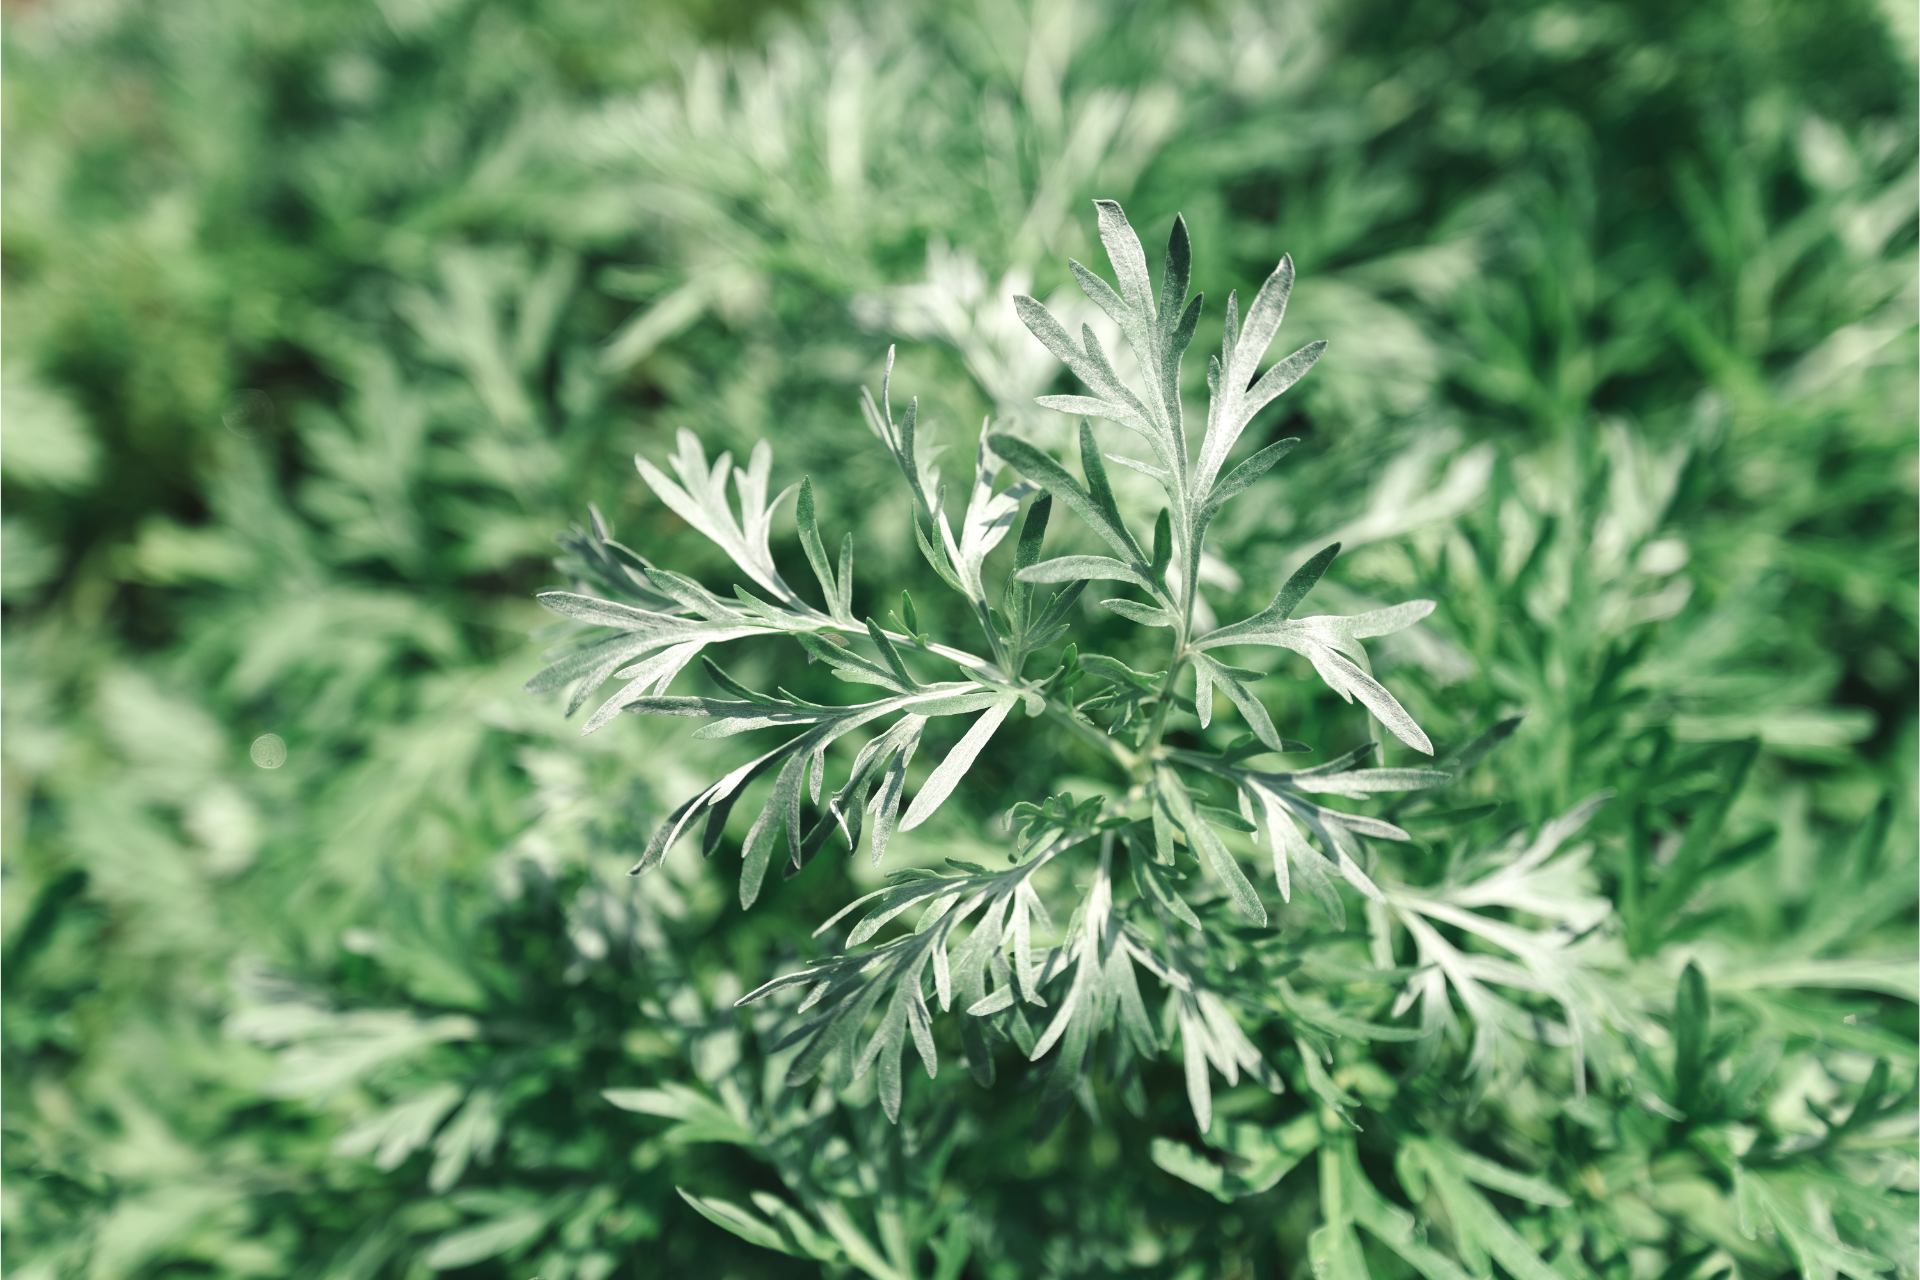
1621	302
655	622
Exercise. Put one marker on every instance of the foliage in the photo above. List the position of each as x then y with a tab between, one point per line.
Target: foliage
994	966
323	316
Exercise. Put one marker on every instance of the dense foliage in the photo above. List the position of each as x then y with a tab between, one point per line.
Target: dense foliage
322	318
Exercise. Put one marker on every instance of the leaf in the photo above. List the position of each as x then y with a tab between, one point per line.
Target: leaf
1033	531
1692	1014
1129	261
1502	1179
803	515
1242	478
988	517
1234	403
701	1119
895	663
1255	1156
1465	757
1117	672
851	666
474	1244
611	613
396	1133
1279	378
782	812
703	504
1152	885
1162	544
1284	603
731	1217
1813	1243
471	1134
1188	1165
1691	861
1054	478
1347	1195
1077	568
1169	788
1478	1226
1333	1251
1242	697
940	784
1349	681
1145	615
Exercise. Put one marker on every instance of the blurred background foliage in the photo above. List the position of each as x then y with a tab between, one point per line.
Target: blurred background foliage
323	317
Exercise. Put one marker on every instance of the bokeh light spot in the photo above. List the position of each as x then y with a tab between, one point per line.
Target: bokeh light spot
249	413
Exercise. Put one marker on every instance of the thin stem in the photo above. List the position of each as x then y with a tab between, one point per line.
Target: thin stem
1128	761
1183	627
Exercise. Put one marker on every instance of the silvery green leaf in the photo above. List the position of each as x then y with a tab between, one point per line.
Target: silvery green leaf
1203	690
470	1135
1360	782
611	613
1069	1005
1100	516
1241	350
1479	1228
489	1239
885	806
730	717
702	503
988	517
1193	1048
1076	568
1333	1251
1211	1038
851	666
1347	1186
1133	413
1169	788
941	782
1349	681
1285	601
1123	989
1327	643
1129	260
651	676
732	1218
782	812
1144	468
898	438
1114	400
1292	852
1088	407
1154	886
1242	478
690	596
1277	379
1250	707
837	589
700	1118
1362	626
1116	672
588	664
1145	615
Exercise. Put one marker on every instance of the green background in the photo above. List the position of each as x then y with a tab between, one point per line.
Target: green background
321	318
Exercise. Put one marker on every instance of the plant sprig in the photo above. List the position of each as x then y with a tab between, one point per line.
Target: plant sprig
973	940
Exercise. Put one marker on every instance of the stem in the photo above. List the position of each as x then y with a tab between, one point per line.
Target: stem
1189	580
1127	760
